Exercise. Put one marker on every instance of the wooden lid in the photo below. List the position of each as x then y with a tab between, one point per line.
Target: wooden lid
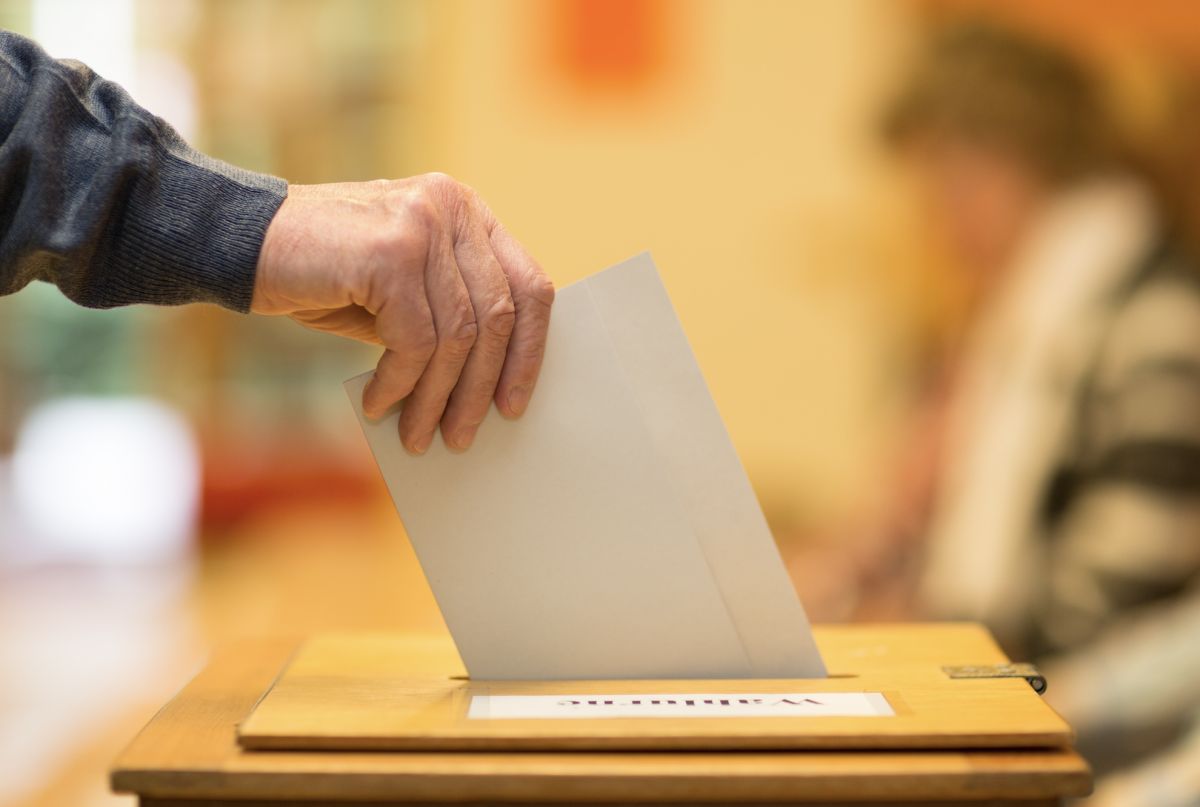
404	693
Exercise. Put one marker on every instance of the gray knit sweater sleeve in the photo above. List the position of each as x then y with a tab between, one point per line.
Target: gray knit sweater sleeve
104	200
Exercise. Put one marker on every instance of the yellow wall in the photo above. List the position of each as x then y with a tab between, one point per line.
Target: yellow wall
748	169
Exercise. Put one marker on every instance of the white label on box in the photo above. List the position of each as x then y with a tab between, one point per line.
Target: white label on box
724	704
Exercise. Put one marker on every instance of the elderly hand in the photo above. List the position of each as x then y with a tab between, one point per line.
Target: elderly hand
421	267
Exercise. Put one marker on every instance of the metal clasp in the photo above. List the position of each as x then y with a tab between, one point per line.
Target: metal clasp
1027	671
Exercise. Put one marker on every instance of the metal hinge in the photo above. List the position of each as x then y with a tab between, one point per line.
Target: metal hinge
1027	671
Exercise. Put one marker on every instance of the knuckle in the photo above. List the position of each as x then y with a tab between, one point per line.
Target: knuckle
500	317
424	347
436	177
459	337
539	287
441	183
455	199
416	205
470	195
399	243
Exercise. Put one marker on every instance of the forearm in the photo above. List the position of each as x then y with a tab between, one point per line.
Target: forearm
102	199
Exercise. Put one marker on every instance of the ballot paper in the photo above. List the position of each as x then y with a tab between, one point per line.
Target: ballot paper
611	531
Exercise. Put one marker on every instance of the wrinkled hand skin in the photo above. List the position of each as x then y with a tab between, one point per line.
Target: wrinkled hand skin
421	267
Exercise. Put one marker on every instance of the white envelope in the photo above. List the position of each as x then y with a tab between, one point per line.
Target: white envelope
610	532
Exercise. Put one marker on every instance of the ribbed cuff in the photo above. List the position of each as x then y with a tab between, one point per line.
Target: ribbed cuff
191	232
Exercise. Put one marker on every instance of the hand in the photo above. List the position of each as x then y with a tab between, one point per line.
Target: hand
421	267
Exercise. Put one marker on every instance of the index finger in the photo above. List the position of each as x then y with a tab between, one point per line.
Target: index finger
533	296
405	326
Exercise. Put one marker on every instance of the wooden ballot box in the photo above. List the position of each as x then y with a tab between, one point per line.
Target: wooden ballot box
910	714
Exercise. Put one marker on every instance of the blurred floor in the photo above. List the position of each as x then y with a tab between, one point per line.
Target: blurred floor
88	655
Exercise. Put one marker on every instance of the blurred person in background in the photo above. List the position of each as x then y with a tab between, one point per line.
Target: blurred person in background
1053	490
106	201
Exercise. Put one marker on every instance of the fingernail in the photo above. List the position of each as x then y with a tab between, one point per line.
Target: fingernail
421	444
462	438
518	399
